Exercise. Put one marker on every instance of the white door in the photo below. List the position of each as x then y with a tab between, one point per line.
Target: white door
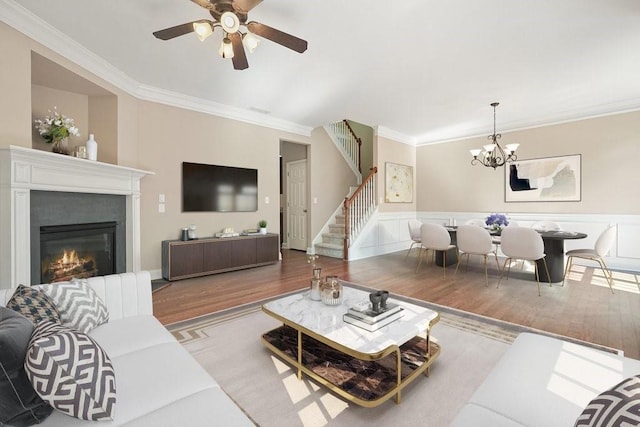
297	205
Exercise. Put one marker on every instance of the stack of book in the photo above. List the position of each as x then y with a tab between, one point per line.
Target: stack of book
363	316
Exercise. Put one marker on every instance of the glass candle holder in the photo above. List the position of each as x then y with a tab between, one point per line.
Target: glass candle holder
316	282
331	291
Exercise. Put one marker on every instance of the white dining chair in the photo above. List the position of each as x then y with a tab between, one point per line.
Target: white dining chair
414	234
435	238
474	240
523	243
477	222
600	250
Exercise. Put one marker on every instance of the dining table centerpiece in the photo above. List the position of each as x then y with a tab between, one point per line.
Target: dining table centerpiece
496	221
56	129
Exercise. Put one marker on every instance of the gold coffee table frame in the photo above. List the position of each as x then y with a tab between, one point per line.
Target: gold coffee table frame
431	353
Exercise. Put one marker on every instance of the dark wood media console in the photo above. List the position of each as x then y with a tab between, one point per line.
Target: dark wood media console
193	258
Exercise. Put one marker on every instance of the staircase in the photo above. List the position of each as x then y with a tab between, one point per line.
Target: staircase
349	145
360	203
350	218
332	244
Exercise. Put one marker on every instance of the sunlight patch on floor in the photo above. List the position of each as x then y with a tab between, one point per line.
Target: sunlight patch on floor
281	367
321	410
296	389
622	281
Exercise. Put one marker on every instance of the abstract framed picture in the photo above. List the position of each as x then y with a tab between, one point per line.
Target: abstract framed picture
398	183
549	179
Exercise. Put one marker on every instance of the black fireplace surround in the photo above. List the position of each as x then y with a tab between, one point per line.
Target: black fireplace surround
76	235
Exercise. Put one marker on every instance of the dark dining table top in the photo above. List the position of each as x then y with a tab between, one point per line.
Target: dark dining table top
546	234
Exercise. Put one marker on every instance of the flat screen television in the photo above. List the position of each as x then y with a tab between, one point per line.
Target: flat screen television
214	188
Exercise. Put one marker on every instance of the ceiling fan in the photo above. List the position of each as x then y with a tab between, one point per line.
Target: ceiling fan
231	15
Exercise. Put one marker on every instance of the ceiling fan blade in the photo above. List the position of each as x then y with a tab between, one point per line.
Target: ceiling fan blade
244	6
277	36
178	30
239	57
204	3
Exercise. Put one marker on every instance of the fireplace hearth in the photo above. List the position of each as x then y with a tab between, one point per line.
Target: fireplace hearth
77	251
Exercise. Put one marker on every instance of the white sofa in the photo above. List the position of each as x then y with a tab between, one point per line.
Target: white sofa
543	382
158	383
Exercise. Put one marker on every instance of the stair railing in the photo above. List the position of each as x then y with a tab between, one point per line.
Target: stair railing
358	208
351	144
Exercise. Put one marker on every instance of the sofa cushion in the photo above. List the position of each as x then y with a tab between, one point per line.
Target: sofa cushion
617	406
71	372
544	381
19	403
220	411
34	304
78	304
130	334
479	416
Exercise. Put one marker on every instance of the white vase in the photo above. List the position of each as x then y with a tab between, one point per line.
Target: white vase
263	230
92	148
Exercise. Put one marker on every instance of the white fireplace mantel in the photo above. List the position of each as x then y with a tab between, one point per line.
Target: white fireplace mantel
25	169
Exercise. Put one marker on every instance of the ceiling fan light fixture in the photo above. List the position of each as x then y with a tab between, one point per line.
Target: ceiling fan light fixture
250	41
226	48
202	30
230	22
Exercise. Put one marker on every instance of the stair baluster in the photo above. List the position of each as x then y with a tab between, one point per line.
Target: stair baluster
358	208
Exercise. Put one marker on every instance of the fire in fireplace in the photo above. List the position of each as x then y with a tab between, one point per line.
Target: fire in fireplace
77	251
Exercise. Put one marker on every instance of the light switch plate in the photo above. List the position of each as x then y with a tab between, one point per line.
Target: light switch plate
161	198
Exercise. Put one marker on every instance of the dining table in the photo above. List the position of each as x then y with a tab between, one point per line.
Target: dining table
553	248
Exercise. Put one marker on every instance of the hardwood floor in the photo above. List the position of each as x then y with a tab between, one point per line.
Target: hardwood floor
584	308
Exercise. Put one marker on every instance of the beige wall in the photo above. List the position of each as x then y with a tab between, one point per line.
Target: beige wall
330	178
170	136
387	150
16	101
610	147
103	124
15	87
365	133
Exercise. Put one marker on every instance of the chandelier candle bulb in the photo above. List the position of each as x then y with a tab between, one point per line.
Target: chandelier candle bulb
92	148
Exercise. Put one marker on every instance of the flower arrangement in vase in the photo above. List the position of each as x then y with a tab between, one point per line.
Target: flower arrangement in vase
496	221
56	129
263	226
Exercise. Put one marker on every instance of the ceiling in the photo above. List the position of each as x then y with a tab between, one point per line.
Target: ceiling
422	70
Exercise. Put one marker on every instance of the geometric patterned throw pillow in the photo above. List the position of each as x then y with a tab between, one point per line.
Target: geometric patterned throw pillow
79	305
618	406
34	304
70	371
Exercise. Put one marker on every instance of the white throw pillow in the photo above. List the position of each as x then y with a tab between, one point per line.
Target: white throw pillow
78	304
71	372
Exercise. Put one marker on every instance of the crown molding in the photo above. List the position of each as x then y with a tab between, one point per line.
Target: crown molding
22	20
558	118
161	96
394	135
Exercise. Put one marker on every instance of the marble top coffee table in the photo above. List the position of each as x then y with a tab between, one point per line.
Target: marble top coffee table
364	367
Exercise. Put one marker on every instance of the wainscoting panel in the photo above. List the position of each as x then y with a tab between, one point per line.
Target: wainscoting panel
388	232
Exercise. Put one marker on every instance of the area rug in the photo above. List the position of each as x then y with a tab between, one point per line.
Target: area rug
228	346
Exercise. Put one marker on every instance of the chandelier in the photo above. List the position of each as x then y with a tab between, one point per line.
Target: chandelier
494	155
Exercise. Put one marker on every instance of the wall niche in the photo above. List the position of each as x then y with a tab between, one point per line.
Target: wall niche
93	108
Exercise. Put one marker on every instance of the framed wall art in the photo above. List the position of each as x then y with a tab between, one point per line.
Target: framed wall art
549	179
398	183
